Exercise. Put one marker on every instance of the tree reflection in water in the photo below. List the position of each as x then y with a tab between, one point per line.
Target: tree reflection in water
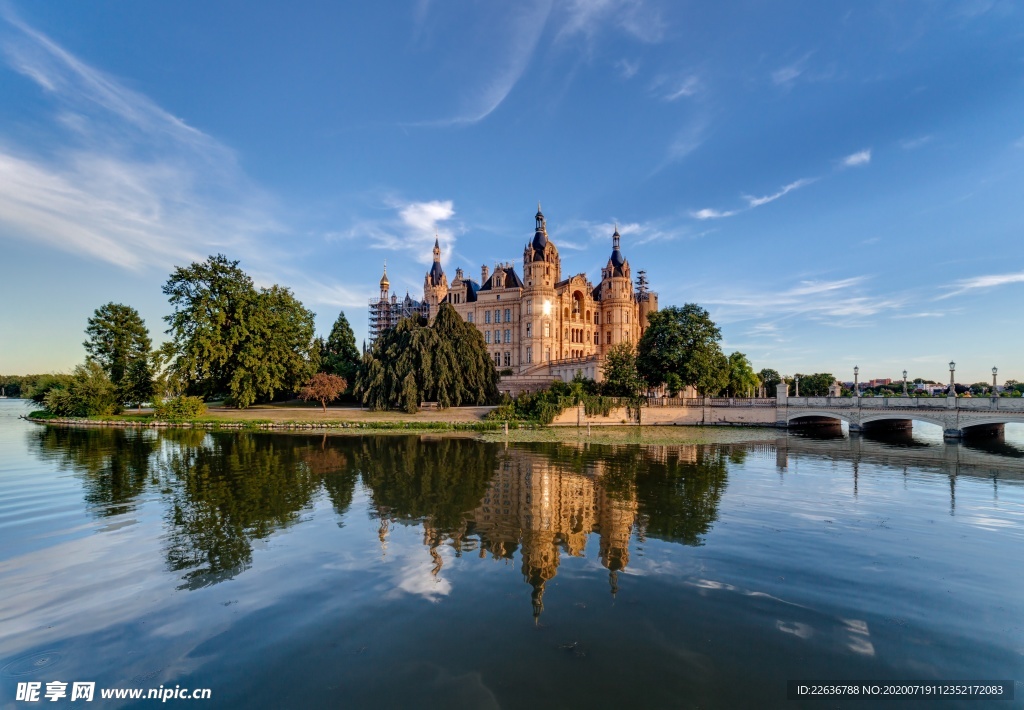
114	465
225	490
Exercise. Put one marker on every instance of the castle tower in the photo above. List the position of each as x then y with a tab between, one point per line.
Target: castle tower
435	283
542	269
618	307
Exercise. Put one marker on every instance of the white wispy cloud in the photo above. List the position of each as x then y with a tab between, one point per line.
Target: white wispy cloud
982	282
786	189
839	302
627	68
641	20
752	202
671	89
708	213
915	143
786	75
121	179
509	43
409	229
862	157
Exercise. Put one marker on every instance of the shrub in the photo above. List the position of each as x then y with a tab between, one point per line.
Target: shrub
179	408
87	392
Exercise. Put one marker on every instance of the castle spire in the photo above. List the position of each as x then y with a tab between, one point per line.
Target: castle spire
617	259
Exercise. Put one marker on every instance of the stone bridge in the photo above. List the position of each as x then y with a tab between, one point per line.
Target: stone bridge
958	416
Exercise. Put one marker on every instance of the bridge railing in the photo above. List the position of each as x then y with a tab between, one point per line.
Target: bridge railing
709	402
1015	404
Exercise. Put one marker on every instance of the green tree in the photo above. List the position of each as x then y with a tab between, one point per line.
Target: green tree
464	373
769	380
278	353
339	354
89	392
229	338
117	337
446	362
621	377
743	382
137	385
816	385
684	341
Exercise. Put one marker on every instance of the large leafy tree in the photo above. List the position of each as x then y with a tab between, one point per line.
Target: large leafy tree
413	362
116	338
743	382
816	385
621	377
770	379
684	341
229	338
464	373
339	354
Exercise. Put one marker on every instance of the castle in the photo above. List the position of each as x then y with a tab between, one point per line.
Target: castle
538	326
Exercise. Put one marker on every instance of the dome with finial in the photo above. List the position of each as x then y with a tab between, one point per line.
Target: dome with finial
384	283
617	259
540	236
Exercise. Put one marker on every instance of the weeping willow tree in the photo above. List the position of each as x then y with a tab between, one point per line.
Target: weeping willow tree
446	362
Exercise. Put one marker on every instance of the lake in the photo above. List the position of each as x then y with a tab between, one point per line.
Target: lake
282	570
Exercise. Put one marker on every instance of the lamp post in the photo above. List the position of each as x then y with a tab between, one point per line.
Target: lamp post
856	385
905	384
952	382
995	371
796	380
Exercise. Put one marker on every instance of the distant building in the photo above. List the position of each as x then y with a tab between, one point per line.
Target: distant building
387	310
540	325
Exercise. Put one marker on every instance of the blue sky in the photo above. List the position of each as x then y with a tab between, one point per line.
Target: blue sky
840	184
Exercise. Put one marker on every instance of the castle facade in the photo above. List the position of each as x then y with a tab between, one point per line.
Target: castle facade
539	325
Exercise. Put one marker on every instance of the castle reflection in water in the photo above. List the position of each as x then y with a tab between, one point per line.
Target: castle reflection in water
545	509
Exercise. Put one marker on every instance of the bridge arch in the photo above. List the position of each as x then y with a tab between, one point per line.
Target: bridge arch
813	414
927	418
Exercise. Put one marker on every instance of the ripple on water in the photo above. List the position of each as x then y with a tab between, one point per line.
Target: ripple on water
33	663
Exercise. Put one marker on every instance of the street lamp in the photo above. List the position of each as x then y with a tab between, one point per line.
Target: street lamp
995	371
796	380
856	386
905	383
952	383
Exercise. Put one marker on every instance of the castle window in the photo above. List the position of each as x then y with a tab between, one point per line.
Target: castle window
529	307
497	315
608	337
508	315
487	316
469	317
627	318
497	336
597	338
487	336
497	359
529	354
597	318
547	354
529	330
547	330
508	335
508	359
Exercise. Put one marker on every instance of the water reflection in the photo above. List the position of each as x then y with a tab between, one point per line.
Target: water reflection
537	502
114	464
